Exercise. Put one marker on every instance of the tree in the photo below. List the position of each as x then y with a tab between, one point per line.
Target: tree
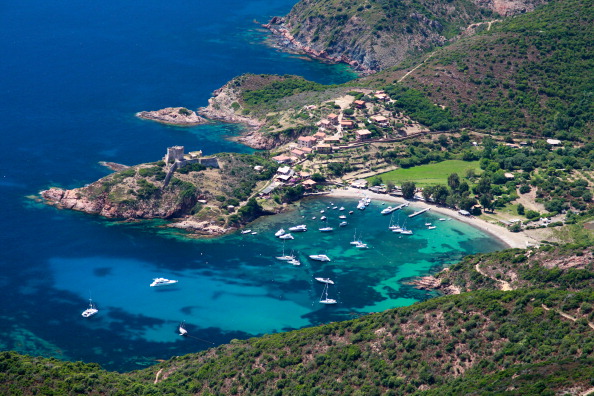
454	181
408	189
428	192
521	209
486	201
375	181
441	194
318	178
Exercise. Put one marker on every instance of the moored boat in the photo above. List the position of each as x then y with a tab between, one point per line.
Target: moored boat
298	228
92	310
319	257
325	280
163	282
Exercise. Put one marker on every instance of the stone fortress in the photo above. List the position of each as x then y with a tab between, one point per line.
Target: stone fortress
175	158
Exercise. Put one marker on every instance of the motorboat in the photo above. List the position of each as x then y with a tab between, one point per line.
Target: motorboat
246	231
387	210
342	217
442	219
335	207
254	232
322	211
351	212
163	282
361	205
319	257
324	297
298	228
323	218
286	236
427	224
326	229
279	232
341	208
343	224
325	280
92	310
431	227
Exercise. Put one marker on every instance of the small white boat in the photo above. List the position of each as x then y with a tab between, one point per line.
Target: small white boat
325	280
313	218
442	219
341	208
92	310
254	232
298	228
326	229
286	236
182	329
335	207
361	205
427	224
294	262
163	282
406	232
246	231
431	227
343	224
342	217
325	299
279	232
323	218
319	257
361	245
351	212
387	210
322	211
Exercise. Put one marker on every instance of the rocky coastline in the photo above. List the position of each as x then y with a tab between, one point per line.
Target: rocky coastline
284	40
220	108
179	116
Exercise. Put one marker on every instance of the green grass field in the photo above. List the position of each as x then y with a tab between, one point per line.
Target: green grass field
426	175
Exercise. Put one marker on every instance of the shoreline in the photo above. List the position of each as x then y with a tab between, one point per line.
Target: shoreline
511	239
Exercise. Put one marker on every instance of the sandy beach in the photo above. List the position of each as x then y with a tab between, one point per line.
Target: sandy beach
511	239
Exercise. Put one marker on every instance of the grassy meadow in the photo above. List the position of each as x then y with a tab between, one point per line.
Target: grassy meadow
431	174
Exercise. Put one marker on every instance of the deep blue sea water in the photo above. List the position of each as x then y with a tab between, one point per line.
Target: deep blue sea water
73	75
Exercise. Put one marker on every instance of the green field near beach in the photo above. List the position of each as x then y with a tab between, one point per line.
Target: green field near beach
431	174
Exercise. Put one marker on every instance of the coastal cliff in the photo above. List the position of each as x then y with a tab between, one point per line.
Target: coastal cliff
179	116
372	36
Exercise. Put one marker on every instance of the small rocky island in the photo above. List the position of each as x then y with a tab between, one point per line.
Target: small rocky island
173	116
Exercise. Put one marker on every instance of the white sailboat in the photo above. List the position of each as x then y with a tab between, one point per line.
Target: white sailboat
182	329
324	297
92	310
285	257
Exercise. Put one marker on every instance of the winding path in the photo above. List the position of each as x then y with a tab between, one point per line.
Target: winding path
504	285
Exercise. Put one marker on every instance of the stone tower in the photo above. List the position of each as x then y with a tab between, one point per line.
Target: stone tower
173	154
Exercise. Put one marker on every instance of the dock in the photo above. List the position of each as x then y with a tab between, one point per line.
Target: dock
419	212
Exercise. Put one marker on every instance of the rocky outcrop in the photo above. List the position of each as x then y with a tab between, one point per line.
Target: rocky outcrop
222	107
201	227
173	116
78	199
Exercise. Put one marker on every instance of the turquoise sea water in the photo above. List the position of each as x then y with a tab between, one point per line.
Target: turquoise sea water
74	74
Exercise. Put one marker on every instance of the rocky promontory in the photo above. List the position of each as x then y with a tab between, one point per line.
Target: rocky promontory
200	197
173	116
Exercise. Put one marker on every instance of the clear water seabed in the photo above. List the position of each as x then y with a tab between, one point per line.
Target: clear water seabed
74	76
